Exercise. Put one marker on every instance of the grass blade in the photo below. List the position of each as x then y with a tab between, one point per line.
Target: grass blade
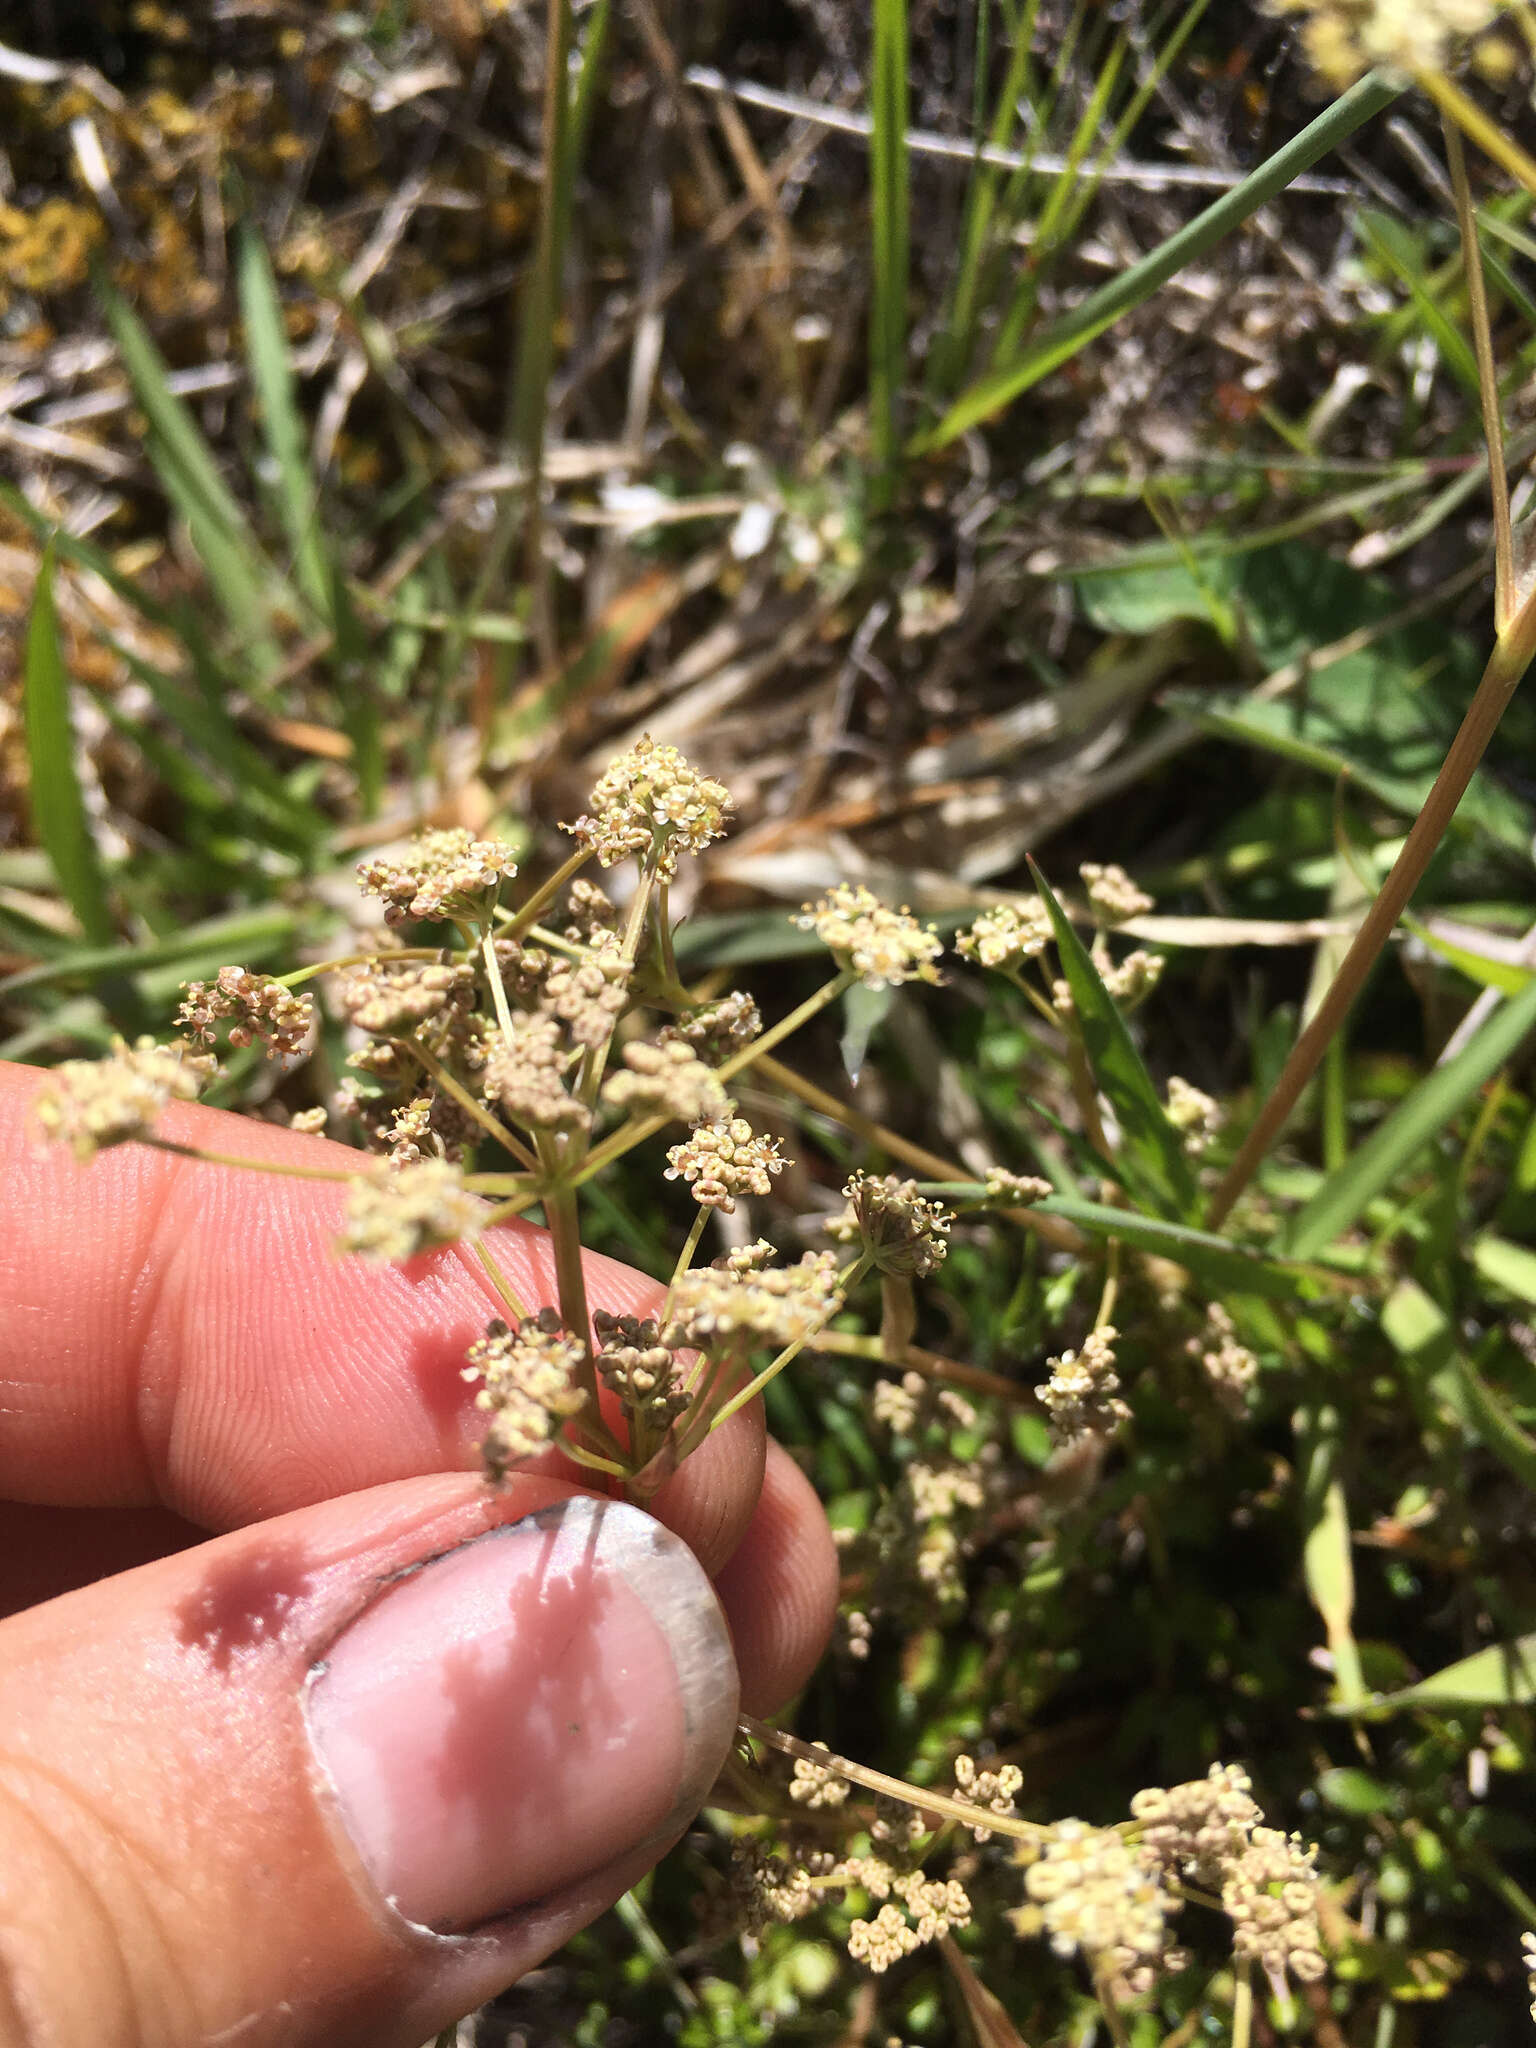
890	250
1224	1267
1410	1127
1152	1152
244	581
58	807
1101	309
266	350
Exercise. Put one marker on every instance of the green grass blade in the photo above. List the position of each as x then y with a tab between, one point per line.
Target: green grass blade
244	582
890	249
266	350
1224	1267
1152	1150
245	935
1393	1145
1327	1548
1392	244
1104	307
58	807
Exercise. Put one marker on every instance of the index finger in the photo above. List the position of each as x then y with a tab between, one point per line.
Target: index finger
182	1334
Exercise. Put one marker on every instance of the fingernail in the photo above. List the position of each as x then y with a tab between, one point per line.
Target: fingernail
520	1711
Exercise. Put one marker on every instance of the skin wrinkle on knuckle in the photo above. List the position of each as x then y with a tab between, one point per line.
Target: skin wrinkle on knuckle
125	1987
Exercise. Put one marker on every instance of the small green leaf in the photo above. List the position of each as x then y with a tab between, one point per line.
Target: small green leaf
1509	1267
1395	1143
266	348
1503	1675
1327	1555
1153	1152
864	1011
58	808
1351	1790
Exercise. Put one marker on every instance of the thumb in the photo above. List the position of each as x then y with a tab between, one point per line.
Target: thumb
340	1777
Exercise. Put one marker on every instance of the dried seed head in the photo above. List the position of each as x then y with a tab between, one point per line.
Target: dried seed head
634	1363
392	998
883	947
937	1491
740	1304
932	1907
1081	1395
903	1232
652	803
444	873
667	1080
525	1075
527	1386
255	1007
725	1159
90	1105
1112	896
1008	933
719	1029
397	1211
1200	1829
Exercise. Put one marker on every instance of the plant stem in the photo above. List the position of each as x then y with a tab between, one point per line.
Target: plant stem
250	1165
975	1378
685	1256
1468	116
499	1281
925	1801
1506	665
786	1026
476	1111
497	986
1064	1235
527	913
1504	598
790	1352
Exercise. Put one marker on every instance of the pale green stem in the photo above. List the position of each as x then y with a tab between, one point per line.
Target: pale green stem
251	1165
579	1454
527	913
499	1281
1242	2007
925	1801
476	1111
595	1061
685	1256
931	1364
786	1026
498	987
303	974
790	1352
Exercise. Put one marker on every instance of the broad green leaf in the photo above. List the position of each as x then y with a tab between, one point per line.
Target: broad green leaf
58	807
1503	1675
1386	712
1152	1150
1396	1142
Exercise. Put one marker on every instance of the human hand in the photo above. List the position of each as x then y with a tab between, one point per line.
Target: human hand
344	1771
